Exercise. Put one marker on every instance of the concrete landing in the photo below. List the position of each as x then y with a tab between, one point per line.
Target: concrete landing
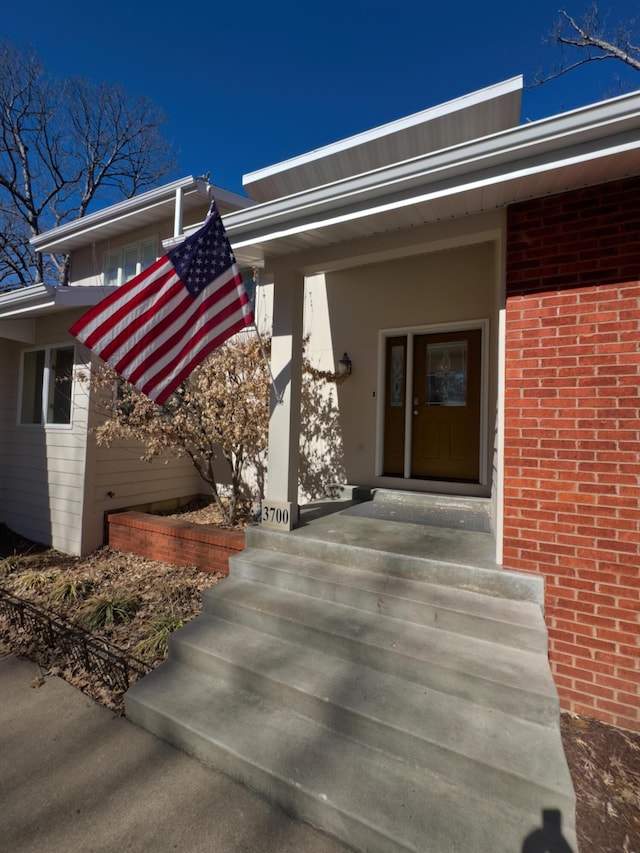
392	534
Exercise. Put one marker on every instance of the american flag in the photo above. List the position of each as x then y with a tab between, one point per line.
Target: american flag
158	327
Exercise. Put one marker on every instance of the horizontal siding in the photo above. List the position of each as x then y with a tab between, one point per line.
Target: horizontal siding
87	264
117	479
55	482
8	382
120	471
43	468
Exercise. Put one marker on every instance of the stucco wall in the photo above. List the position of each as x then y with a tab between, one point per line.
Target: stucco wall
417	292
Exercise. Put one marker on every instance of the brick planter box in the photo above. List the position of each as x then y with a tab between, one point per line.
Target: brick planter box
181	543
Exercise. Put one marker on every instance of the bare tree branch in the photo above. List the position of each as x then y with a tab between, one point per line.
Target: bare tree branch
65	145
588	35
595	43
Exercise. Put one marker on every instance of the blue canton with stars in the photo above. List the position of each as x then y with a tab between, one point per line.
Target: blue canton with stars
203	256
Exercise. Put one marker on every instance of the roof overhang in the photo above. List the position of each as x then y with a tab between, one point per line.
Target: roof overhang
43	299
587	146
146	209
471	116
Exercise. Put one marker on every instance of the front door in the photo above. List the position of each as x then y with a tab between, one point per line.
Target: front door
436	436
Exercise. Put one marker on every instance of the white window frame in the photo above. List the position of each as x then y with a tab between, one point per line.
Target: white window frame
146	253
46	401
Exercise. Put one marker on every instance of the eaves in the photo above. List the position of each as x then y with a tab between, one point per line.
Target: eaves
528	161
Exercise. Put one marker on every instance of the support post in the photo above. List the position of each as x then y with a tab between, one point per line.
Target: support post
280	506
177	213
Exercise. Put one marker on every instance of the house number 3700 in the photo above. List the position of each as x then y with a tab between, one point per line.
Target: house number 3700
275	515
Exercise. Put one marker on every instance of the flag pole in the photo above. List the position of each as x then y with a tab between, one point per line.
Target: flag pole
279	395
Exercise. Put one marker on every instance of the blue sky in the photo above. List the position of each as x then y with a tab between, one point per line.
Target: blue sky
247	84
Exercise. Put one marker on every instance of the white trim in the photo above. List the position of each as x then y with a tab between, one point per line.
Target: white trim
358	199
121	251
483	324
59	298
28	308
149	206
47	241
490	93
408	409
44	423
500	402
604	129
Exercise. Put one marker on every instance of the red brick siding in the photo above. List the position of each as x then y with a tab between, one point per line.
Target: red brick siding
572	436
170	540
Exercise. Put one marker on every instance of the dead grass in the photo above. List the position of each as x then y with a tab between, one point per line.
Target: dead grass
605	768
117	596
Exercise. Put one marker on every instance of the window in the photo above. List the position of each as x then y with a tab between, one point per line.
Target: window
121	265
47	383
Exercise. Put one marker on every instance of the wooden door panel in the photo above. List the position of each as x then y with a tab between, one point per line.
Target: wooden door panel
446	406
459	441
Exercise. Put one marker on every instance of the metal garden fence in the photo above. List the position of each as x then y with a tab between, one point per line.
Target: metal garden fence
112	666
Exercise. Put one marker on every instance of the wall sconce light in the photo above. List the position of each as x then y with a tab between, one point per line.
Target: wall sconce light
344	365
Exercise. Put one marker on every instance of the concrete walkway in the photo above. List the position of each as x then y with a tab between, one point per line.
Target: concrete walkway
75	778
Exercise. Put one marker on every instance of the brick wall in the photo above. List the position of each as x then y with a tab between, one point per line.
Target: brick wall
572	436
170	540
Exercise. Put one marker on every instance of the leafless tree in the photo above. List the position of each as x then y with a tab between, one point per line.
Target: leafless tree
64	145
219	420
592	39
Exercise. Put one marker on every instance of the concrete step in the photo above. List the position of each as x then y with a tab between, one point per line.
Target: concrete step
451	558
396	694
511	680
518	761
372	799
498	620
427	510
421	500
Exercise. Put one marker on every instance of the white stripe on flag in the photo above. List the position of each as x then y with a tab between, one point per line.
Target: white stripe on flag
193	354
183	324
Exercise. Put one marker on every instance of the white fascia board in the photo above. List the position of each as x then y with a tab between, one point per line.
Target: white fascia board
45	299
27	299
89	226
439	191
47	241
581	135
231	198
473	99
